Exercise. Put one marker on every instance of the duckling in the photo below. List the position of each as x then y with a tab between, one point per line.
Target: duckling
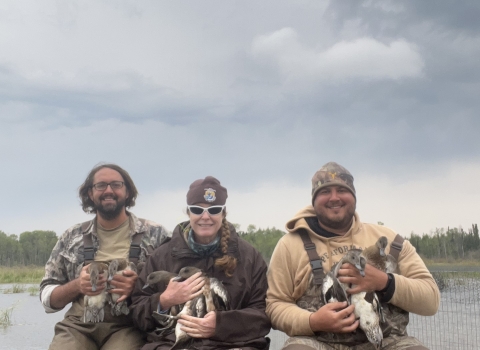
116	266
376	256
93	305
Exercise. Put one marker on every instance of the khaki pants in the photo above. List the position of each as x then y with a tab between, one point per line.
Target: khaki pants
116	332
390	343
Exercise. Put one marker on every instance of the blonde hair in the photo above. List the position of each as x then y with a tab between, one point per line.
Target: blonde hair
227	263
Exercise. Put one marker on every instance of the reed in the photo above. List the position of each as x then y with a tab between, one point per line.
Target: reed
21	274
16	288
33	290
6	317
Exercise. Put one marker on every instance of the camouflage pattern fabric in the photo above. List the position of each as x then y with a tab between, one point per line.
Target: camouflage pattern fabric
395	325
66	261
393	342
332	174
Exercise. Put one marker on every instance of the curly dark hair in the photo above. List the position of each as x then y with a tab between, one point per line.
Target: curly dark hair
88	205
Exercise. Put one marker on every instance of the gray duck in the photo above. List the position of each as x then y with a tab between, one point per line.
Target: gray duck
116	266
376	256
94	305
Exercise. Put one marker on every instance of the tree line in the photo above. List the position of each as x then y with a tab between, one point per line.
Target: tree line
452	243
30	248
34	248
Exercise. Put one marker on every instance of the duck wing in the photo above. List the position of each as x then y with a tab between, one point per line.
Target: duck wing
220	296
333	290
183	340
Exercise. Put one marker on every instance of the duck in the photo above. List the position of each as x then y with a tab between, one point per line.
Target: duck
164	277
332	289
368	311
115	267
214	297
94	305
368	308
376	256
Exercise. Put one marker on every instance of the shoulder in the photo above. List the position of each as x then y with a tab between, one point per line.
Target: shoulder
378	231
149	228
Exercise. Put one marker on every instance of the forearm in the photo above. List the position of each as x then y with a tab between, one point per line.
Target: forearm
420	296
415	288
65	294
282	313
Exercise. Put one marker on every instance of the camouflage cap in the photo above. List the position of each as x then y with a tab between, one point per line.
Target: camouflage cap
208	191
332	174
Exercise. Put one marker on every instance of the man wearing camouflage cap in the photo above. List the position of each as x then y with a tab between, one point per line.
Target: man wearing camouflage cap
318	237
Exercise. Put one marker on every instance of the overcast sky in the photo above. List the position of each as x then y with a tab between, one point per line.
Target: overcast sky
259	94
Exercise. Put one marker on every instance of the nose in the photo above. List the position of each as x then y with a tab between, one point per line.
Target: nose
334	194
108	189
205	215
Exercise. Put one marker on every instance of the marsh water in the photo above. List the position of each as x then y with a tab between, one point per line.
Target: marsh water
455	326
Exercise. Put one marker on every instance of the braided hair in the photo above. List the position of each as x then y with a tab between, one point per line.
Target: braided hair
227	262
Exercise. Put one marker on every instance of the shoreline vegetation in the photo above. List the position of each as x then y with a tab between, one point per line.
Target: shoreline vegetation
34	274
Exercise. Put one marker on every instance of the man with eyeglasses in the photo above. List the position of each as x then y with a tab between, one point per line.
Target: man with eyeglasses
114	233
318	237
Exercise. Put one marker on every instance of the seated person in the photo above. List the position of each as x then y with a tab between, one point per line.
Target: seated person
209	242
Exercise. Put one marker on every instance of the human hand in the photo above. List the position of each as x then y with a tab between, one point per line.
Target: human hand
180	292
373	280
334	318
199	327
85	286
123	284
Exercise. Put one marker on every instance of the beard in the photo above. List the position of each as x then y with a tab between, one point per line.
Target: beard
112	210
336	222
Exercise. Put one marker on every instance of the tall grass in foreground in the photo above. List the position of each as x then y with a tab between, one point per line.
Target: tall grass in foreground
6	317
21	274
16	288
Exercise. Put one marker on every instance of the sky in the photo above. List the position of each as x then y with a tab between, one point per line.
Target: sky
259	94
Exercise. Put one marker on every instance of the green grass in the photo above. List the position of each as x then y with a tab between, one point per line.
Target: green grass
6	317
21	274
33	290
16	288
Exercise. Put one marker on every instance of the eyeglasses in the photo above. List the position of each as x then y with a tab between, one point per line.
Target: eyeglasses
213	210
102	186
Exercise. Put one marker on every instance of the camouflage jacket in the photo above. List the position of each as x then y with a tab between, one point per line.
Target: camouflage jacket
67	259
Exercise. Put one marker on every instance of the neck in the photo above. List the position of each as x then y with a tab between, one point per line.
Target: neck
112	223
203	240
338	231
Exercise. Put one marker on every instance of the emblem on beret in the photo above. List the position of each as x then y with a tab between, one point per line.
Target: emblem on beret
209	195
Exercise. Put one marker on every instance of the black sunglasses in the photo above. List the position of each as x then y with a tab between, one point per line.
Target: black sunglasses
213	210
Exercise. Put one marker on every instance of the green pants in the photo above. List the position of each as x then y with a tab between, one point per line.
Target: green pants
393	342
116	332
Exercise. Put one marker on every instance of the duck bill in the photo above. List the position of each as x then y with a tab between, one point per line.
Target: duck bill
145	286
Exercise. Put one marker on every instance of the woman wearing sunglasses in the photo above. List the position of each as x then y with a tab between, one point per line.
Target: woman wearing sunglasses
209	242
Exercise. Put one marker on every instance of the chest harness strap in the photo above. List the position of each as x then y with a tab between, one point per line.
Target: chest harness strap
315	262
89	251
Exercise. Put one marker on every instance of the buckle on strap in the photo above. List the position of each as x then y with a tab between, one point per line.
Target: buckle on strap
309	246
316	264
88	253
134	251
397	246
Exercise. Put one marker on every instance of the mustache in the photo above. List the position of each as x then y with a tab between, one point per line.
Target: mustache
105	196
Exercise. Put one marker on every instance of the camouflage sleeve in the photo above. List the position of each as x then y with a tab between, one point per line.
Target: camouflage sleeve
55	268
158	234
